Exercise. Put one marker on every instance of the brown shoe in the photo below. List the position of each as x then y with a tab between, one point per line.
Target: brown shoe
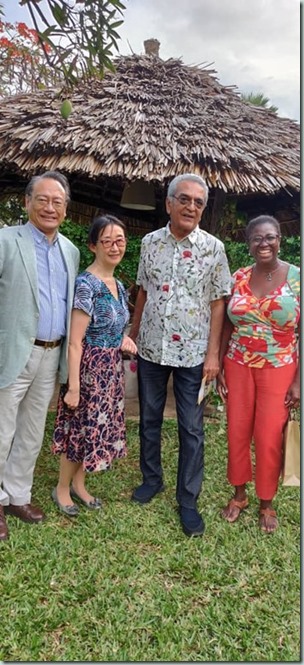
26	513
3	525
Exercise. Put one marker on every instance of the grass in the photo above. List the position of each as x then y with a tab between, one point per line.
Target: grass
125	584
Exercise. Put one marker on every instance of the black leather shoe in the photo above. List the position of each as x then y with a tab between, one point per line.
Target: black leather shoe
144	493
191	521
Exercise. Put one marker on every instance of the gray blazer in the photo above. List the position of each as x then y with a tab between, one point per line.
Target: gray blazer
19	305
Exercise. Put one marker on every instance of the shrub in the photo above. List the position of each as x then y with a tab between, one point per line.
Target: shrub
237	252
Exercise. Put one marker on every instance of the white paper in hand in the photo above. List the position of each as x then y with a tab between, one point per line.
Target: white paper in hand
204	390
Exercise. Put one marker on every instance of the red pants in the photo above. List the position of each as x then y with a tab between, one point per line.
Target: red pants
255	409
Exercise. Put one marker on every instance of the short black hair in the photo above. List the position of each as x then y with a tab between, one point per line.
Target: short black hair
262	219
52	175
100	223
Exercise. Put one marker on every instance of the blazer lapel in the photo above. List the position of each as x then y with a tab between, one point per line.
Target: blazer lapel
27	250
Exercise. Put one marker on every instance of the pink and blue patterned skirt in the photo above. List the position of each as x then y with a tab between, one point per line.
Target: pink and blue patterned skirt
95	432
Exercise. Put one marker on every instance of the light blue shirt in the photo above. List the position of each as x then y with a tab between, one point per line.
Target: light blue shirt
52	287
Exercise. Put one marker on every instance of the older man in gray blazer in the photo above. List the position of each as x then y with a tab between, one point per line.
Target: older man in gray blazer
38	267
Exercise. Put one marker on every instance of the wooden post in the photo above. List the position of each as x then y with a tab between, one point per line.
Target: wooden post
217	209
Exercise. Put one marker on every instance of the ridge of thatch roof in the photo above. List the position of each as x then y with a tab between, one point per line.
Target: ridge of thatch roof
152	119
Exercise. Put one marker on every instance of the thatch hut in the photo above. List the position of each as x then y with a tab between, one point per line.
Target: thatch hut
153	119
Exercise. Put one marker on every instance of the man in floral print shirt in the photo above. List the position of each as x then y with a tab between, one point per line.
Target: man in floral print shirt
183	278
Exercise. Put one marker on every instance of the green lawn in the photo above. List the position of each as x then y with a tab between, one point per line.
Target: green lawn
125	584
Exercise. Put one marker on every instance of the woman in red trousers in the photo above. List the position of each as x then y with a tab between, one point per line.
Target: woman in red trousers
260	376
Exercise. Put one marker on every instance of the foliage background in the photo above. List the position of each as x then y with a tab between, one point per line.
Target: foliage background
237	252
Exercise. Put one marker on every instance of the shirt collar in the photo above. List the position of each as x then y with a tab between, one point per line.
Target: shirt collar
192	237
38	235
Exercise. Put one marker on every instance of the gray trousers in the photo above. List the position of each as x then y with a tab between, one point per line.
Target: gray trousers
23	410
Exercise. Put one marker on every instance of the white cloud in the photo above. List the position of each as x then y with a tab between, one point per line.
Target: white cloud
253	44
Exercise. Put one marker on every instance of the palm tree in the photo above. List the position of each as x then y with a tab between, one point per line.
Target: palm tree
258	99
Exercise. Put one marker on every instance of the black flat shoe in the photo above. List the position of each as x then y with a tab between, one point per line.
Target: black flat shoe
95	504
70	511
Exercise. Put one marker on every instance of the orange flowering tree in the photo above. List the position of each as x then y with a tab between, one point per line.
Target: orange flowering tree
23	65
71	39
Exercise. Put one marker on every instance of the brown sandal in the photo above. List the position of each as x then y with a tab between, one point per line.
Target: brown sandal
268	520
236	507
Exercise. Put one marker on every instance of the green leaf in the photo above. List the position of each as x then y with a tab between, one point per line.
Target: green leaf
59	13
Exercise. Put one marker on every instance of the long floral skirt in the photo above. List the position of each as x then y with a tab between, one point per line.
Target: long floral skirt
95	432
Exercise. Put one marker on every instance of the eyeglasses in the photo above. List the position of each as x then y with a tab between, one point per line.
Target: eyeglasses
270	238
120	242
43	201
185	200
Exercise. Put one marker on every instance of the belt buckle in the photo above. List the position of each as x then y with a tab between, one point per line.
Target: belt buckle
51	345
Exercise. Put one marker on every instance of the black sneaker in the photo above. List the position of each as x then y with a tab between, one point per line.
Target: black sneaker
191	521
144	493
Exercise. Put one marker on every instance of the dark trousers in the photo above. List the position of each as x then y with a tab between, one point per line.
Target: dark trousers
152	381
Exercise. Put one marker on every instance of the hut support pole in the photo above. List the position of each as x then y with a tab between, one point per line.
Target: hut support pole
217	209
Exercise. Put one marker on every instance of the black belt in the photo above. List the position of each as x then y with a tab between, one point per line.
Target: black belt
48	345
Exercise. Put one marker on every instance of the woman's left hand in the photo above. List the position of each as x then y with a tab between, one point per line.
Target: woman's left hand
128	345
292	399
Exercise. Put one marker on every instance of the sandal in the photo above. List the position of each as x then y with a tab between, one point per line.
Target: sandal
235	508
268	520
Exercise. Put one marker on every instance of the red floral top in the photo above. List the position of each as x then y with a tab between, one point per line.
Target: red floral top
265	328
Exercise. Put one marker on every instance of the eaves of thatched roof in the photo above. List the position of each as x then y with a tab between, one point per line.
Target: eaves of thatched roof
152	119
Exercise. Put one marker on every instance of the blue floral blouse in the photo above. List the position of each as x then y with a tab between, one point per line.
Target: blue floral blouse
109	316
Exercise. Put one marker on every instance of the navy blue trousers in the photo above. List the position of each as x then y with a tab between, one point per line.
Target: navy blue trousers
152	382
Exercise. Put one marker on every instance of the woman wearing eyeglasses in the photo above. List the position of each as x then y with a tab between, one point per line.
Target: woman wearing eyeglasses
89	428
260	377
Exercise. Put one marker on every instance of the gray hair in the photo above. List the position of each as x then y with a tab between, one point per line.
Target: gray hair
186	177
51	175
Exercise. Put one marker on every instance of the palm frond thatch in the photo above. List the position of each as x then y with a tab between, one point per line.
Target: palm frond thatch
152	119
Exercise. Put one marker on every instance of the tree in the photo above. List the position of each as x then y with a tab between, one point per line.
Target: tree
12	211
258	99
23	67
79	38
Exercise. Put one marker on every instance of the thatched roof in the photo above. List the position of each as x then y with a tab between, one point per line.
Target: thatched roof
152	119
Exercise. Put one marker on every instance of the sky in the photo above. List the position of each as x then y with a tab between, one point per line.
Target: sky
252	44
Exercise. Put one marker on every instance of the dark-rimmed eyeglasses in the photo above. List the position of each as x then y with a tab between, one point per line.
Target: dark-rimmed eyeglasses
107	243
270	238
185	200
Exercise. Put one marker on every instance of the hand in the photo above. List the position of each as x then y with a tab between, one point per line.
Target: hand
128	345
211	366
292	399
222	387
71	398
